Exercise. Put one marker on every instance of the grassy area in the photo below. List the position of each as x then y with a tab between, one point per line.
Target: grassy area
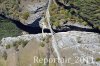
89	9
57	15
8	29
60	15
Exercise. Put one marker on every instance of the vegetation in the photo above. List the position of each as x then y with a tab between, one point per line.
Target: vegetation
8	29
10	7
24	43
85	23
42	44
17	43
60	15
5	55
57	15
25	15
88	9
8	46
20	42
97	59
45	40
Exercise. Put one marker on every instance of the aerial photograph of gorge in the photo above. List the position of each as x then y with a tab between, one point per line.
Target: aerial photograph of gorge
49	32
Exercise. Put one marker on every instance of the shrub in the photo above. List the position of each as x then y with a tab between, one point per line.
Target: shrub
56	24
97	59
84	23
24	43
89	9
79	39
5	55
57	14
48	39
8	46
42	44
25	15
16	44
20	42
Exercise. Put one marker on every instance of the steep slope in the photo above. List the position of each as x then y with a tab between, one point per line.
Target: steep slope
73	44
25	11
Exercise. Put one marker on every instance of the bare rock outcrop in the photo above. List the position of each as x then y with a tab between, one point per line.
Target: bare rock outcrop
71	44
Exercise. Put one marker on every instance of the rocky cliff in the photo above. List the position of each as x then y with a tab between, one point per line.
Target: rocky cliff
25	11
70	39
72	44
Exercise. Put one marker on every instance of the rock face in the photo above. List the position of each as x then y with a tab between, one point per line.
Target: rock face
11	40
75	47
76	37
72	44
79	45
26	11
